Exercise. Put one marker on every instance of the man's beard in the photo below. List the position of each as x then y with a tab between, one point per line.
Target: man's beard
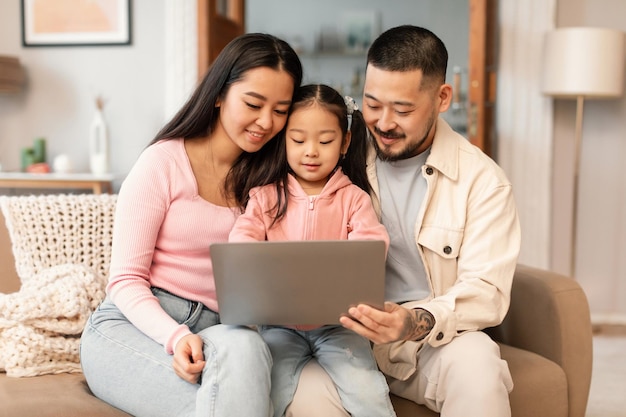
409	151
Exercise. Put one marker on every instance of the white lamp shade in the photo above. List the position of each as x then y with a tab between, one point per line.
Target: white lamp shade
586	62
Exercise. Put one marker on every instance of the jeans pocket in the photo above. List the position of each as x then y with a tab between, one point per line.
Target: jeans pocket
180	309
194	313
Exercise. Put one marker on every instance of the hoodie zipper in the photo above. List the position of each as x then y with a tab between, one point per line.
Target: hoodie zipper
309	217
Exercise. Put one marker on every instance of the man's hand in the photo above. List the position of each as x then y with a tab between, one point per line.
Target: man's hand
391	325
189	358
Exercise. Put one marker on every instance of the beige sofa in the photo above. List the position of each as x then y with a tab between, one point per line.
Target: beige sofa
546	339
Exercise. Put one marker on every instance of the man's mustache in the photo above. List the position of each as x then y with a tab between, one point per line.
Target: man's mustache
389	134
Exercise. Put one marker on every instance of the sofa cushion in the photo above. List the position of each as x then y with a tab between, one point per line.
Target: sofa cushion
9	281
540	384
407	408
61	395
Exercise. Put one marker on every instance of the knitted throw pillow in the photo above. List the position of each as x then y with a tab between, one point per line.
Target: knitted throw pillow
50	230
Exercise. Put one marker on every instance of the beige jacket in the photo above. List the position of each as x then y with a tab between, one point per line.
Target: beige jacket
468	235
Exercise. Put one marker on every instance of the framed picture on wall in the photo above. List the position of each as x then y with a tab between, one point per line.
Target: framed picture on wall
76	22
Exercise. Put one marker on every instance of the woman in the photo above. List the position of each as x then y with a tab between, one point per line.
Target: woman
155	346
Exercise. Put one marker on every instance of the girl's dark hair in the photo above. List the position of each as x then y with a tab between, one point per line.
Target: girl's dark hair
198	116
354	163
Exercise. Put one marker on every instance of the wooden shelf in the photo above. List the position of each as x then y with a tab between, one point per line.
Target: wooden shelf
98	184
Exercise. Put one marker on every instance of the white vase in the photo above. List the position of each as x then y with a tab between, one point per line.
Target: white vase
62	164
99	145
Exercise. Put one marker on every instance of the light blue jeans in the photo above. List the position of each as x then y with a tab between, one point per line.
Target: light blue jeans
132	372
346	357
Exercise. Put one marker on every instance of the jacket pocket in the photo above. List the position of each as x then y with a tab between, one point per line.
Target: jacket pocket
443	242
441	247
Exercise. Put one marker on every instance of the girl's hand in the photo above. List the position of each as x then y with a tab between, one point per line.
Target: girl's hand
189	358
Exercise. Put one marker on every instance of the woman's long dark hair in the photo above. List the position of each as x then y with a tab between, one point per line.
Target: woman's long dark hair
198	116
354	163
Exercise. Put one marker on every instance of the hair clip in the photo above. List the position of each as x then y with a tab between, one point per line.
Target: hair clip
350	104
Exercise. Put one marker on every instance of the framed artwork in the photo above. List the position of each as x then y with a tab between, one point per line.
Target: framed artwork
76	22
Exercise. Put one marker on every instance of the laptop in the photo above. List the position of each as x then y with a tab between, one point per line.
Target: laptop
296	282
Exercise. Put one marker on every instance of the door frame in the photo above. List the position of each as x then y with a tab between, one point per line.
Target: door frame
482	59
219	22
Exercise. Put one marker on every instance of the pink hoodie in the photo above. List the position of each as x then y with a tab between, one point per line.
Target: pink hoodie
341	211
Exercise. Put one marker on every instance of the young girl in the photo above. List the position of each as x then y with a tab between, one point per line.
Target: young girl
155	346
312	197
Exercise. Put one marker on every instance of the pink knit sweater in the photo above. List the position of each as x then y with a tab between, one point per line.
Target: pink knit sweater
161	238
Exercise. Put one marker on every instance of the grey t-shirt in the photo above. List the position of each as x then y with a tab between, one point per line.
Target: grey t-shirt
402	190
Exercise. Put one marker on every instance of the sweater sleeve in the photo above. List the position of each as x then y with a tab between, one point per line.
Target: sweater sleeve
364	223
142	206
250	226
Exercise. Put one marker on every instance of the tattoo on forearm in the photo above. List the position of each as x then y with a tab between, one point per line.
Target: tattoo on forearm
418	324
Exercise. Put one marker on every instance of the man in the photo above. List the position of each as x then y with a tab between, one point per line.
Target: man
455	237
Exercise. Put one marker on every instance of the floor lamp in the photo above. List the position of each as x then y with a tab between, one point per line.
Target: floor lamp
582	63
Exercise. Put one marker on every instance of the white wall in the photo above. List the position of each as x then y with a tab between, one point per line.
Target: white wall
63	82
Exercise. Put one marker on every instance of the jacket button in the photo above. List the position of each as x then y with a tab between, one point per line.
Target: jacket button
429	171
447	250
439	336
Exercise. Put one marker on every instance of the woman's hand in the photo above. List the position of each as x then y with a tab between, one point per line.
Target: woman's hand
391	325
189	358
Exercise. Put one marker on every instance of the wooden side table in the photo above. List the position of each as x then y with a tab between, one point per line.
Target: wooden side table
98	184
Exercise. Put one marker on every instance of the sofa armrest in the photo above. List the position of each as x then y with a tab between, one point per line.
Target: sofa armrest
9	281
549	315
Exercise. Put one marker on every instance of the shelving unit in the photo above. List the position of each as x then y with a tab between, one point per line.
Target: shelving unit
98	184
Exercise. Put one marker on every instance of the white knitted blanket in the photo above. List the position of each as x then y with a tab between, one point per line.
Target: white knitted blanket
62	249
40	325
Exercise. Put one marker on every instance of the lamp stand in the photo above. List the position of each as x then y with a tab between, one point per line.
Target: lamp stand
580	100
582	62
